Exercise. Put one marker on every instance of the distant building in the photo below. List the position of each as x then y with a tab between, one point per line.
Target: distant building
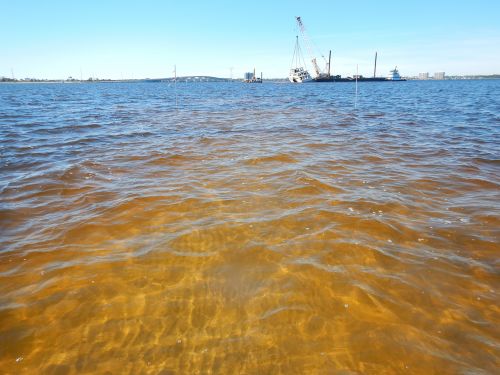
423	75
439	75
248	76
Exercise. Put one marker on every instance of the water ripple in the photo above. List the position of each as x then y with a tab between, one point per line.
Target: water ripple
249	229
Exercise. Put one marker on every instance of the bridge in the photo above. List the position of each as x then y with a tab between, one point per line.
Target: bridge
194	79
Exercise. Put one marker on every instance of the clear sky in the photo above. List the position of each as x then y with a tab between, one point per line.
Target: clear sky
139	39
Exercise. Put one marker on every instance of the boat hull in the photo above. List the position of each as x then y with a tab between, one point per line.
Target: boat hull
299	80
350	79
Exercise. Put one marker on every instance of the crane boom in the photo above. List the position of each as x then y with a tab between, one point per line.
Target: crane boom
309	46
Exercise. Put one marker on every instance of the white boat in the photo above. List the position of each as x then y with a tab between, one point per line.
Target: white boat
394	75
298	74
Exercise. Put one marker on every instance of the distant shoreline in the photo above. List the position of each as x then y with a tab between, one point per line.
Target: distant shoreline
198	79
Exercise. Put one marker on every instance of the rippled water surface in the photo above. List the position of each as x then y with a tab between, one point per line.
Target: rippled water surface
253	229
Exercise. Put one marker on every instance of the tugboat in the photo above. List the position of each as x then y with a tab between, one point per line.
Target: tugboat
394	75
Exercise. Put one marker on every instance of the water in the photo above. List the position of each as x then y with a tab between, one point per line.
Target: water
254	229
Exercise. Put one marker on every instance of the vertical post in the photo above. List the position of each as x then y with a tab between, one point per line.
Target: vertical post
356	94
329	62
375	68
175	85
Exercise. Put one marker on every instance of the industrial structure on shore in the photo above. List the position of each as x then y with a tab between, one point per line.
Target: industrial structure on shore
252	78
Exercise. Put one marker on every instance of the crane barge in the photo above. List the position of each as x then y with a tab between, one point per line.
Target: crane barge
299	73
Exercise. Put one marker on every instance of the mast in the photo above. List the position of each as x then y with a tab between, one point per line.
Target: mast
309	46
375	68
295	57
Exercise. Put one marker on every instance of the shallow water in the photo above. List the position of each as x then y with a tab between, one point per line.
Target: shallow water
251	229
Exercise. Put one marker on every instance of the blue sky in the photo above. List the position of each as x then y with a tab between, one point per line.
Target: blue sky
139	39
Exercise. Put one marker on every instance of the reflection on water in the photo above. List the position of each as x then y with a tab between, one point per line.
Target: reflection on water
269	229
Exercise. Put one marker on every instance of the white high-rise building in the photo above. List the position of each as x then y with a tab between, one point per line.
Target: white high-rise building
439	75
